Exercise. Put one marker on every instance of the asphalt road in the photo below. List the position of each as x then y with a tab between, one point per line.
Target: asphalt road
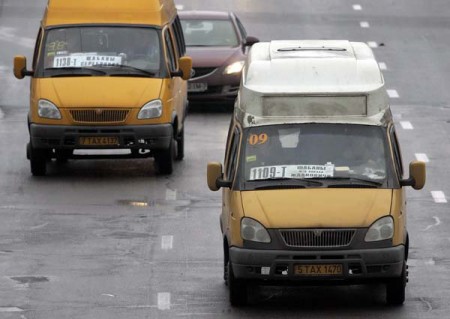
110	239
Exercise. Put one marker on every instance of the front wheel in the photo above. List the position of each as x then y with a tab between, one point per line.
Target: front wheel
180	146
38	160
164	159
237	288
395	289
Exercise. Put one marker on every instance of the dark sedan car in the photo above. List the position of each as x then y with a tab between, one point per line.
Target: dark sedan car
217	43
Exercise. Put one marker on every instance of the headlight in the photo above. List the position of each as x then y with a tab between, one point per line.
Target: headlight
150	110
380	230
234	68
48	110
254	231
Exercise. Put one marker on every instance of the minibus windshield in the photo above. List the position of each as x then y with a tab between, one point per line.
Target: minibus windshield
118	50
342	153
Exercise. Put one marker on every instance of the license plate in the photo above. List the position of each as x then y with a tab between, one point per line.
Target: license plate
99	140
197	87
318	270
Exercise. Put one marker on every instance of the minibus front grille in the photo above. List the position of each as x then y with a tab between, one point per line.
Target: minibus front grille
317	237
99	115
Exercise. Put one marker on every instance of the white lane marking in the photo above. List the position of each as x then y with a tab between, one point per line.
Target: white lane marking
23	317
108	295
166	242
422	157
372	44
406	125
437	223
393	94
382	66
364	24
2	115
357	7
39	226
430	262
179	7
439	196
10	309
164	301
171	194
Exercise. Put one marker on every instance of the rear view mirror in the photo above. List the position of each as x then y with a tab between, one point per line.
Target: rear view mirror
249	41
214	172
417	175
185	63
20	67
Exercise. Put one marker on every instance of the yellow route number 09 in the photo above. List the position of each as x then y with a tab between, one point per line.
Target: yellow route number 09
257	139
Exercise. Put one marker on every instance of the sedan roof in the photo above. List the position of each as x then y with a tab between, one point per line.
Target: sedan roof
200	15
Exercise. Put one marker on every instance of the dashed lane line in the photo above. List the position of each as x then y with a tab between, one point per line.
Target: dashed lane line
437	223
383	66
372	44
164	301
439	197
364	24
171	194
406	125
422	157
357	7
393	94
166	242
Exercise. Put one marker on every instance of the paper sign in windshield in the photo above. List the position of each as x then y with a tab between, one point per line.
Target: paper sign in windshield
292	171
84	60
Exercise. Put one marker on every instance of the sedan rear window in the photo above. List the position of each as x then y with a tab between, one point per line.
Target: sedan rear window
209	33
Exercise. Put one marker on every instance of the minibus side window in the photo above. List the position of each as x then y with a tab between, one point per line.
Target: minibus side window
170	53
36	48
232	159
397	153
179	37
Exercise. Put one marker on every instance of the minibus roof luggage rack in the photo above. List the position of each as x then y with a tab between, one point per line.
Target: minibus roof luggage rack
322	48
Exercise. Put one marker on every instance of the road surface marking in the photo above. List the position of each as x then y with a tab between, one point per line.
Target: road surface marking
422	157
393	94
364	24
357	7
382	66
2	115
39	226
430	262
171	194
438	196
108	295
406	125
167	242
437	223
10	309
179	7
164	301
372	44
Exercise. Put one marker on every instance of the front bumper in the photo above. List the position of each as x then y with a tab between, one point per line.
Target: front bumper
151	137
359	266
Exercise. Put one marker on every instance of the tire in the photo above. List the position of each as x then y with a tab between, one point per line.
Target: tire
180	146
395	289
164	159
38	160
237	289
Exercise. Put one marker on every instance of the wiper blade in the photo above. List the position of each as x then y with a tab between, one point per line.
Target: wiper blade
132	68
354	179
284	182
72	69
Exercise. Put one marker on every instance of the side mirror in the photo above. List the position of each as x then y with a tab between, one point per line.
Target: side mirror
249	41
185	63
417	175
214	177
20	67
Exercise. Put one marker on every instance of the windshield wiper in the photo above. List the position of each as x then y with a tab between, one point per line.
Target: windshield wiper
284	182
352	180
72	69
132	68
